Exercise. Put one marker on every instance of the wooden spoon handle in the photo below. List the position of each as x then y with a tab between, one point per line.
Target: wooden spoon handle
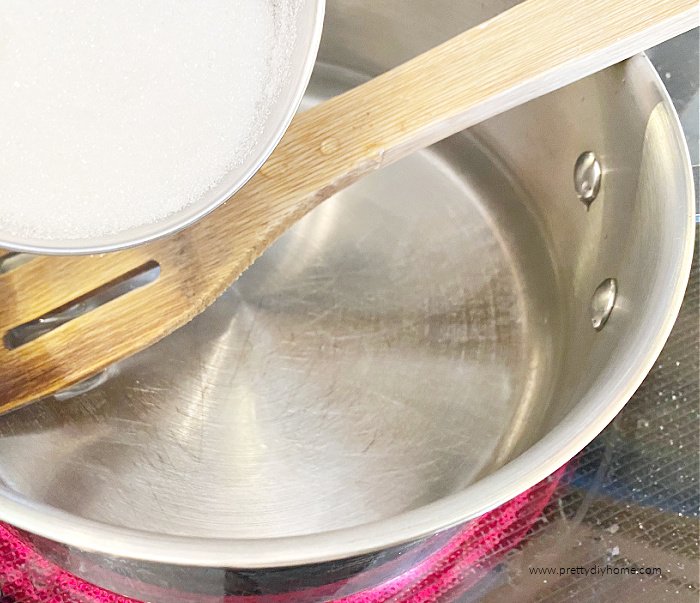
532	49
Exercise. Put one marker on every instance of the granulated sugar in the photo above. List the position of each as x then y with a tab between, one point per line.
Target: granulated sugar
117	113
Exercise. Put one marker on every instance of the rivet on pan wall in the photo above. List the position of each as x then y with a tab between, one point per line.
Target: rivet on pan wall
588	175
603	302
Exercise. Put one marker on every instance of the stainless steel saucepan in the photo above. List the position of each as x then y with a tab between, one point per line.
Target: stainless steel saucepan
421	348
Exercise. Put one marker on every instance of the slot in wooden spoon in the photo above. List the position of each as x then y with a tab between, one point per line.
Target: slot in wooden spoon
534	48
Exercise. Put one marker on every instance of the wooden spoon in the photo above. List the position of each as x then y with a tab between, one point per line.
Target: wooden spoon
533	48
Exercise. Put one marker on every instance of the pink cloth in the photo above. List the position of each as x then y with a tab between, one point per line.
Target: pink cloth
26	577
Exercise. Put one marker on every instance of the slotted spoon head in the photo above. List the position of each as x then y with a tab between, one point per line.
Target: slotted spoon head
66	318
151	290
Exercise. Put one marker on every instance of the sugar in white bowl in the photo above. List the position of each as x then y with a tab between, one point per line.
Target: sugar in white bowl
118	113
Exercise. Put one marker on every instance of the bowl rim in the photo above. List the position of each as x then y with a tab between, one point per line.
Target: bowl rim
190	214
538	462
